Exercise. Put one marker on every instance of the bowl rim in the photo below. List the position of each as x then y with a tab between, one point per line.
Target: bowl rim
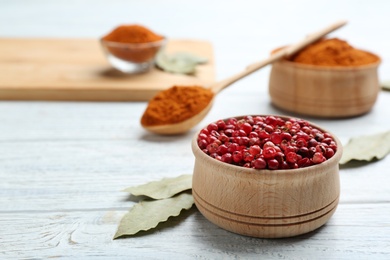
140	45
260	172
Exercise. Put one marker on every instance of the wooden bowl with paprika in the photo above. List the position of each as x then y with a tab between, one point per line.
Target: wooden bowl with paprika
329	79
261	194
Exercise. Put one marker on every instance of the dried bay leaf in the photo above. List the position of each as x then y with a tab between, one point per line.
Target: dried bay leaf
386	85
367	148
190	56
180	62
147	214
164	188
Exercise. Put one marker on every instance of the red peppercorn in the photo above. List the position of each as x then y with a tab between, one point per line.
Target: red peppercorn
247	165
318	158
202	144
248	157
276	138
227	158
221	124
233	147
223	138
266	142
202	136
229	132
270	120
333	146
254	141
291	157
303	151
269	152
254	150
329	153
285	136
237	156
247	128
273	164
211	139
263	134
301	142
212	148
259	163
204	131
304	162
212	126
222	149
269	129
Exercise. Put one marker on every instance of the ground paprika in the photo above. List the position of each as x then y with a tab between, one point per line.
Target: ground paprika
133	43
132	34
175	105
333	52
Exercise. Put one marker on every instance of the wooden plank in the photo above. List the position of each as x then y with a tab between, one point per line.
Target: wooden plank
79	234
78	175
76	69
90	151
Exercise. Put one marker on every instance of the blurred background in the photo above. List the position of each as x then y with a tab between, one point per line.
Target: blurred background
232	26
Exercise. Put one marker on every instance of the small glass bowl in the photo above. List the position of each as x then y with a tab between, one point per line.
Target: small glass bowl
131	57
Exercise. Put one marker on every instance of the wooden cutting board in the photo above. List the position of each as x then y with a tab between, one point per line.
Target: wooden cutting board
76	69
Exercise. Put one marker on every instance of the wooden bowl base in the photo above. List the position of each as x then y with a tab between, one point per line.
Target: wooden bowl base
265	227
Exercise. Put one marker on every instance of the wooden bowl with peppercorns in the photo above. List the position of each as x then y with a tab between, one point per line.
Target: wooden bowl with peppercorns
328	79
266	176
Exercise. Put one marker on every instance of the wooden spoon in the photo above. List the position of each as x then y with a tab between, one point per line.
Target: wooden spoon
184	126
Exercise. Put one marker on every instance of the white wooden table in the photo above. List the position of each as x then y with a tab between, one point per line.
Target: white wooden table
63	164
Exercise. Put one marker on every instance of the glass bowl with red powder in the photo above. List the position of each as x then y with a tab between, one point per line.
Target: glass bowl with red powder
132	48
266	176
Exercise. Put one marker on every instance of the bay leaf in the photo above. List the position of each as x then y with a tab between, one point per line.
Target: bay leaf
386	85
164	188
146	215
190	56
367	148
180	62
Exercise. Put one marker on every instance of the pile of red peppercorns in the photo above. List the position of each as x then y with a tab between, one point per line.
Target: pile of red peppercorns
266	142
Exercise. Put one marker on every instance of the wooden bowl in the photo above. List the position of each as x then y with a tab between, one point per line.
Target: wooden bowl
266	203
319	91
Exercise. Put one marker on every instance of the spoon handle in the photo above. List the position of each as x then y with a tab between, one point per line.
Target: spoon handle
217	87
